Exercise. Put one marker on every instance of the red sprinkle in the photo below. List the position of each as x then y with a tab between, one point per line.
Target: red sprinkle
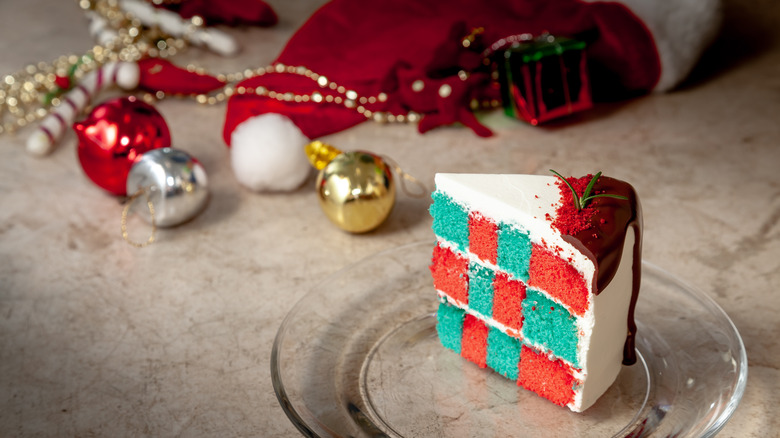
570	221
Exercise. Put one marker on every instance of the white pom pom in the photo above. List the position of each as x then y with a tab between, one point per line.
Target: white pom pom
267	153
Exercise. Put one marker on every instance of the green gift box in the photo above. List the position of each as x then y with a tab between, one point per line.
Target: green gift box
543	78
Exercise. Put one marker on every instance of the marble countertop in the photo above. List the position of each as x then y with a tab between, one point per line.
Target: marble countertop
98	338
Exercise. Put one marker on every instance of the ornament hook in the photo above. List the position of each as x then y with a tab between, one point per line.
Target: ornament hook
406	179
125	211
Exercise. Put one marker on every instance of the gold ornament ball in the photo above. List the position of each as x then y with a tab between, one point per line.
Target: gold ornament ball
356	191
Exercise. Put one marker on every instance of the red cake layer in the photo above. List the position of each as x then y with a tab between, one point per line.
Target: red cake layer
474	342
450	274
558	278
568	219
508	297
483	237
550	379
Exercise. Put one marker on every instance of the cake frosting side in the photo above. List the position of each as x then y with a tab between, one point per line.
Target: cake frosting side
506	275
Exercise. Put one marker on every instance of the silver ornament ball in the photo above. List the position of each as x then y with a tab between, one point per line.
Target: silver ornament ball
175	182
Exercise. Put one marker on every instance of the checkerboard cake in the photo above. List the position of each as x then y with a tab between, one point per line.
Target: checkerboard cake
533	288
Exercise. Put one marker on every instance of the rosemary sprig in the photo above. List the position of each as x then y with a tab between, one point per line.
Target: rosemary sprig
580	203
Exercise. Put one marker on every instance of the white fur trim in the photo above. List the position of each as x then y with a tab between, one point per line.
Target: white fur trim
267	153
682	29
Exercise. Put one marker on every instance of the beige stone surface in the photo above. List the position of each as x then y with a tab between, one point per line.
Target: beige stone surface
98	338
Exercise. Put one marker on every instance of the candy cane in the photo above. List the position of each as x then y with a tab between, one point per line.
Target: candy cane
51	128
171	23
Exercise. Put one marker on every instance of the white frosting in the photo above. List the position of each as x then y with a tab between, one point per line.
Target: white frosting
603	349
529	202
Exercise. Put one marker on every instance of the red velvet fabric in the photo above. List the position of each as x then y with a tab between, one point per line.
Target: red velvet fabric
230	12
373	47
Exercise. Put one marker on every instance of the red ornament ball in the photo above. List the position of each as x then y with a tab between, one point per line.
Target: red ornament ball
114	136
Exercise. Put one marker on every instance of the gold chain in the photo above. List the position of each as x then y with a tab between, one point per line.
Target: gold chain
348	98
407	178
29	94
333	92
126	211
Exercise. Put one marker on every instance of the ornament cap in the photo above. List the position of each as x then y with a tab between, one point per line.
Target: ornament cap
320	154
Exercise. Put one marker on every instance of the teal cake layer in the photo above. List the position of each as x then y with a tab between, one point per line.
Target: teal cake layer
481	289
514	251
450	220
450	326
503	353
549	324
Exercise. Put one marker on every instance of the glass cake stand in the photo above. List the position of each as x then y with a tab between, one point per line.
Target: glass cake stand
359	356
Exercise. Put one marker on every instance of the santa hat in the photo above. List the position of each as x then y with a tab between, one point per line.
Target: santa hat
408	58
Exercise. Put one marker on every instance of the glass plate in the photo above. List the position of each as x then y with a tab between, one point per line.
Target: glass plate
359	356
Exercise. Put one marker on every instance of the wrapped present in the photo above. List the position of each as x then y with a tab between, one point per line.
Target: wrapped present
543	78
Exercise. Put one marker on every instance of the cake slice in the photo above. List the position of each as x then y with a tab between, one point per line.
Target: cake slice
533	287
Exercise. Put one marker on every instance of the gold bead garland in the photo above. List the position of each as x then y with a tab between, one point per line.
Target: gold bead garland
28	95
22	93
350	99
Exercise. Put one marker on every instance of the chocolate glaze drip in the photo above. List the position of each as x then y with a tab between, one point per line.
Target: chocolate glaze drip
603	243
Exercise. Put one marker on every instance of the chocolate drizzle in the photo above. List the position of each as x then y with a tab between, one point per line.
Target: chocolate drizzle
603	243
